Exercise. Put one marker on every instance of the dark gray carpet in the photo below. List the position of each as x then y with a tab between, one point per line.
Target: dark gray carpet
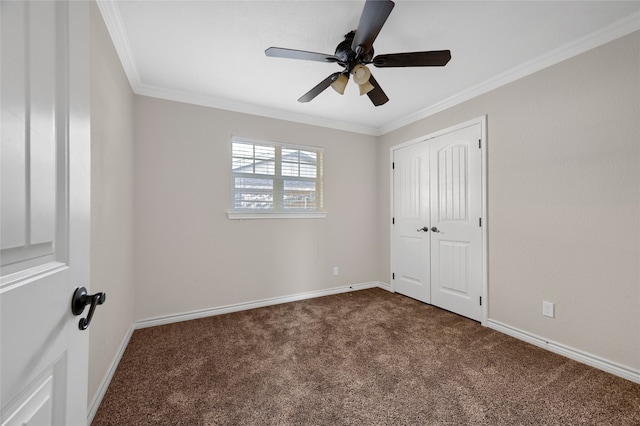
362	358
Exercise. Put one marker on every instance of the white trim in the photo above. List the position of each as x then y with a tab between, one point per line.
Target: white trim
569	352
244	108
102	390
275	215
242	139
391	210
482	120
591	41
485	222
118	32
386	286
220	310
115	25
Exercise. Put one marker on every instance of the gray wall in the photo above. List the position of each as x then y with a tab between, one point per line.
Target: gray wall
563	199
112	257
190	256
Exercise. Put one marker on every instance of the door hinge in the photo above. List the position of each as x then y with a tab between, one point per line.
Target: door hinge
480	300
393	165
480	222
393	276
480	143
393	220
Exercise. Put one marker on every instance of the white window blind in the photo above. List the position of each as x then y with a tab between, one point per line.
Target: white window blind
269	177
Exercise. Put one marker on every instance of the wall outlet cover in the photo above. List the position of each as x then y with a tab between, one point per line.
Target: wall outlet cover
548	309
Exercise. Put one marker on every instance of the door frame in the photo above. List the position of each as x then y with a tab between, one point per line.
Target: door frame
482	120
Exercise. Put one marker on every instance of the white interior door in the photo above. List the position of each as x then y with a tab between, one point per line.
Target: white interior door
437	247
44	227
411	244
456	233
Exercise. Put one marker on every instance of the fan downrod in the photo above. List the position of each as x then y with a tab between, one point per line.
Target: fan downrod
347	57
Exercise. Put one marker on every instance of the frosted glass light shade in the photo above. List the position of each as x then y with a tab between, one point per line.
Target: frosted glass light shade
365	88
340	83
361	74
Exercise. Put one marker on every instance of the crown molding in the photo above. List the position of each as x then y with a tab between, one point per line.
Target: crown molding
115	26
118	33
591	41
245	108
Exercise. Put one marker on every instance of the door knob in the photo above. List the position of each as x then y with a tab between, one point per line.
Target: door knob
424	228
81	299
434	229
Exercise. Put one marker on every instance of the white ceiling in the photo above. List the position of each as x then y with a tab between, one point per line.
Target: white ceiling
212	52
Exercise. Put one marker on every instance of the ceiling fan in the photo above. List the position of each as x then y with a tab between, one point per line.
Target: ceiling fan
356	52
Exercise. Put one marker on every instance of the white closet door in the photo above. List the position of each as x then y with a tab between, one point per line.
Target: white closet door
456	234
411	244
437	235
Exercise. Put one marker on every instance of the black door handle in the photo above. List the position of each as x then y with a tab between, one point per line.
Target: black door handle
81	299
425	229
434	229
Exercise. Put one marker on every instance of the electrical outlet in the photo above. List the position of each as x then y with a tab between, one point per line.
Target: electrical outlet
336	271
548	309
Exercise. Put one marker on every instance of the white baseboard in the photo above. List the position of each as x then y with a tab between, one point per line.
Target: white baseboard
385	286
102	390
186	316
575	354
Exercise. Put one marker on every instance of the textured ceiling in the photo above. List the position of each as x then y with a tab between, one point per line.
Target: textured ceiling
212	52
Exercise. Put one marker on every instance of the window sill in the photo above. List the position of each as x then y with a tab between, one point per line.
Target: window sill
275	215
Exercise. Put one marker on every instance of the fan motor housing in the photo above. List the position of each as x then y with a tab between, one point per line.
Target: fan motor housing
349	58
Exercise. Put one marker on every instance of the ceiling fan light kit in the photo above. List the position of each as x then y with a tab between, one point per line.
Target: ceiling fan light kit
365	88
356	51
341	83
361	74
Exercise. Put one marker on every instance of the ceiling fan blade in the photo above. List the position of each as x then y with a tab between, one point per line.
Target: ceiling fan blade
374	15
377	95
435	58
319	88
279	52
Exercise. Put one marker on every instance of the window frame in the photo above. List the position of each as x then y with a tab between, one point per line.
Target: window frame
278	211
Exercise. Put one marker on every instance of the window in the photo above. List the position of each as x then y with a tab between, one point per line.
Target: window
275	180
